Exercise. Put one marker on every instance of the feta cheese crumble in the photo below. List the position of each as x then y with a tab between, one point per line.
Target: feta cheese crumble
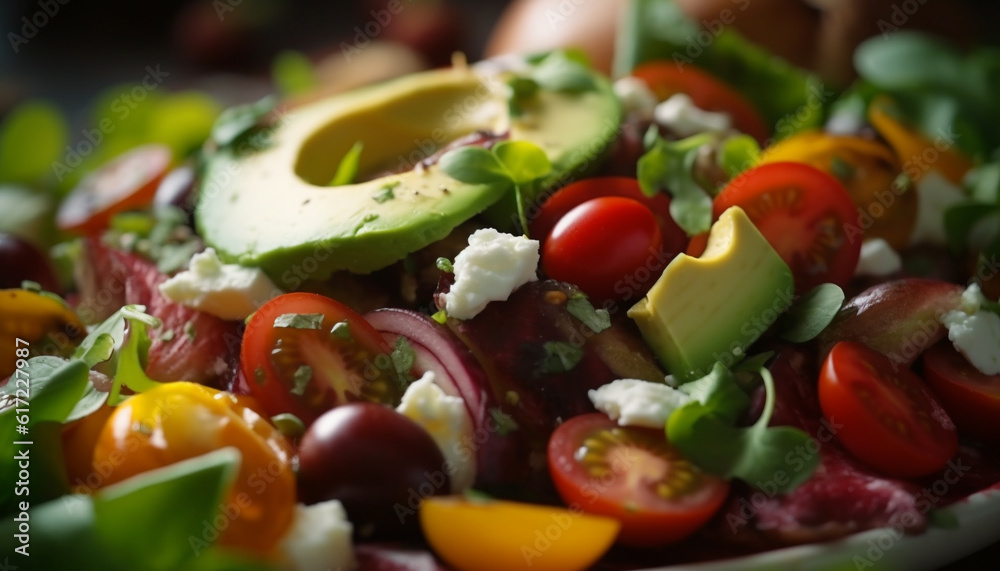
636	98
447	420
934	195
683	117
637	403
229	291
492	266
878	259
319	539
975	332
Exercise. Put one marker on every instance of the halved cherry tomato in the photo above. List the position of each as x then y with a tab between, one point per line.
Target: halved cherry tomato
665	78
805	214
887	417
181	420
127	182
575	194
307	371
611	247
505	536
635	476
970	397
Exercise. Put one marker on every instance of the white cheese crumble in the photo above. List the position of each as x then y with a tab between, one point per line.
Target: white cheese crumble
635	96
878	259
319	539
683	117
447	420
228	291
934	195
975	332
492	266
637	403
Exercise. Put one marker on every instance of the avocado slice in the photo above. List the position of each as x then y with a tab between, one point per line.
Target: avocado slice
271	208
708	309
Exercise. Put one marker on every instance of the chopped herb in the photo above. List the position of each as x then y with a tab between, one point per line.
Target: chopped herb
560	357
596	319
811	313
29	285
403	358
259	376
301	380
189	331
347	170
300	320
669	165
440	316
341	329
444	264
289	424
386	193
505	422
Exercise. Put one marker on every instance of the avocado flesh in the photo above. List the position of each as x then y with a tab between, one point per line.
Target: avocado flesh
270	208
712	308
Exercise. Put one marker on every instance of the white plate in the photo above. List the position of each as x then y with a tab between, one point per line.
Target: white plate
979	526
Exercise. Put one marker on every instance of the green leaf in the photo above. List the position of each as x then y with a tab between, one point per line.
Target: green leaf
524	161
907	60
669	165
27	213
474	165
301	379
99	350
131	371
91	400
737	154
596	319
403	358
300	320
445	265
961	218
719	394
347	170
558	72
505	422
32	137
183	121
235	121
810	314
289	424
55	385
293	73
983	183
560	357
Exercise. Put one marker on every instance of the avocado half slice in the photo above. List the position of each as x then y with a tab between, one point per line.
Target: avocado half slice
271	208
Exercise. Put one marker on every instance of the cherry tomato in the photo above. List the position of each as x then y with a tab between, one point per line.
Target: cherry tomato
182	420
372	459
127	182
970	397
887	416
49	327
610	247
492	535
79	438
575	194
635	476
307	371
805	214
665	78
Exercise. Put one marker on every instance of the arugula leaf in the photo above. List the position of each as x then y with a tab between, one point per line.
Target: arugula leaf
810	314
238	120
130	370
718	392
737	154
596	319
347	170
560	357
908	60
524	161
669	165
300	320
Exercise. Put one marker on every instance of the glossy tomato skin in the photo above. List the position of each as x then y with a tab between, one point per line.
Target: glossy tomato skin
350	367
805	214
970	397
666	78
372	459
885	414
575	194
610	247
21	260
635	476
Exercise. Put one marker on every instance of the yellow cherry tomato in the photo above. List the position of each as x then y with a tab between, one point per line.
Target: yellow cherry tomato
79	438
867	169
917	153
507	536
31	317
182	420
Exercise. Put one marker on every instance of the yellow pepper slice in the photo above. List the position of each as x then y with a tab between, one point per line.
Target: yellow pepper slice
31	317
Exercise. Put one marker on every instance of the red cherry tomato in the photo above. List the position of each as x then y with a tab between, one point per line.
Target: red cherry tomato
611	247
306	371
635	476
805	214
666	78
128	182
575	194
887	418
970	397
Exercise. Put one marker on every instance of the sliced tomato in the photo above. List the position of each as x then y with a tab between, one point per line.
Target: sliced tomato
971	397
884	414
611	247
666	77
505	536
805	214
635	476
127	182
329	356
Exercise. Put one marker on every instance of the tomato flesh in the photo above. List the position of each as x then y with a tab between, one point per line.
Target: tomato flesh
635	476
886	417
971	397
307	371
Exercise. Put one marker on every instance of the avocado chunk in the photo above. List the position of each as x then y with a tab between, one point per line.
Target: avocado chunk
272	208
708	309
